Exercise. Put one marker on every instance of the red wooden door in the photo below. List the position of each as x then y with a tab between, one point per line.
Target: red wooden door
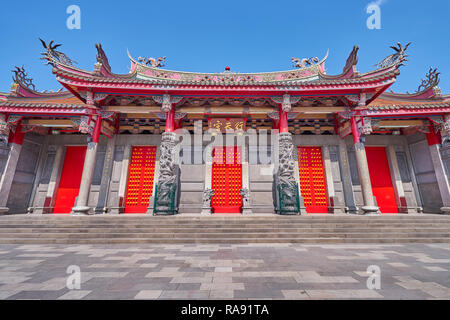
312	179
380	178
140	179
69	183
227	180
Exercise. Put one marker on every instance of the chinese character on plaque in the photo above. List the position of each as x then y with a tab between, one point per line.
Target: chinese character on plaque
227	124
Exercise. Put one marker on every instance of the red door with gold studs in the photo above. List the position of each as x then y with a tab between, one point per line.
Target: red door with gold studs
380	177
312	179
140	179
227	180
69	183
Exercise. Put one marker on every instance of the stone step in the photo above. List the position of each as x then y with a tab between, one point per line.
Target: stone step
69	230
243	229
229	235
221	241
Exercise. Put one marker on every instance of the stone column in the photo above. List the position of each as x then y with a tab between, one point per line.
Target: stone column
363	170
106	176
123	180
50	198
329	178
208	193
396	179
245	191
167	187
346	178
289	200
88	171
15	145
434	141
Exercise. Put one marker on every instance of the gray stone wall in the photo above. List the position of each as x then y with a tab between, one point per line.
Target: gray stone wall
342	167
424	173
24	177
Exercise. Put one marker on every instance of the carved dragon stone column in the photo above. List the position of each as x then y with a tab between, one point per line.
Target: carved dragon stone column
286	189
167	188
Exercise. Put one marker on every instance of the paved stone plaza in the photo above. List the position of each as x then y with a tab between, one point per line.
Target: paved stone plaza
284	271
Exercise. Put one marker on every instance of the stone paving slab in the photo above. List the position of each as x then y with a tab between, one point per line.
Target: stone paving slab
284	271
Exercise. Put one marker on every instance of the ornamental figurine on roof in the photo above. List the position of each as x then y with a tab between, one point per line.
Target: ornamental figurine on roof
152	62
398	56
52	55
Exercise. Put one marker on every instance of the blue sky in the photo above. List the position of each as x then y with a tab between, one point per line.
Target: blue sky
206	36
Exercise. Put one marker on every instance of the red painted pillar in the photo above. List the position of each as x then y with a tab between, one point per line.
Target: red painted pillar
433	137
97	130
283	122
170	120
355	132
17	136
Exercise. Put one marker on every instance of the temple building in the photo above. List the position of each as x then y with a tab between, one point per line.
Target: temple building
166	142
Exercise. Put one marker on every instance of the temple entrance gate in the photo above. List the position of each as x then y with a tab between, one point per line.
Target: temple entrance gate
140	179
380	178
312	179
227	180
69	183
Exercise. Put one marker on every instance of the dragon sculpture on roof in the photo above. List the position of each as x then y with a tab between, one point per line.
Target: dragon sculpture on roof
152	62
399	56
431	79
52	55
21	76
304	63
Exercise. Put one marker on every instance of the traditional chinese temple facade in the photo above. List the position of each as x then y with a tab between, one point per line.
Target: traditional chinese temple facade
165	142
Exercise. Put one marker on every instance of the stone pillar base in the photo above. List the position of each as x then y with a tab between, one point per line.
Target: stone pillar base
444	210
4	210
206	211
80	211
246	210
370	210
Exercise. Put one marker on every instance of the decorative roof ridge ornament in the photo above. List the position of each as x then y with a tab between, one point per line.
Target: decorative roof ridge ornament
431	80
352	59
21	77
398	57
305	62
52	56
152	62
102	58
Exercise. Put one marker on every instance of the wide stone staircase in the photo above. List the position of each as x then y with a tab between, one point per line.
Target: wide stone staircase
104	229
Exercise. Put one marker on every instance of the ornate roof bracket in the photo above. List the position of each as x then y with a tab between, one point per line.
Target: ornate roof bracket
178	115
286	101
92	97
167	101
84	124
276	116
